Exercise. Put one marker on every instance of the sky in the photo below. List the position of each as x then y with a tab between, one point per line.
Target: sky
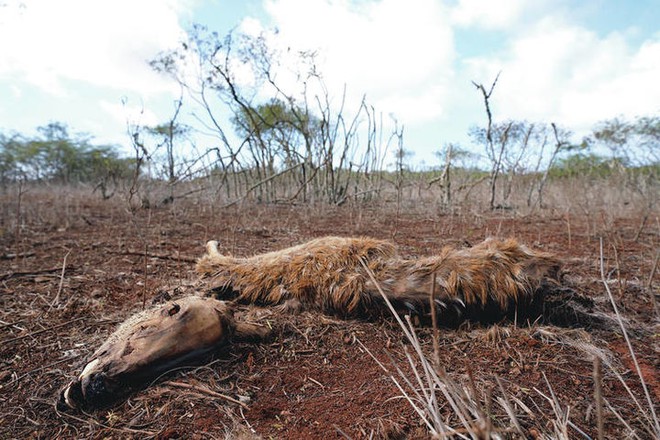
84	62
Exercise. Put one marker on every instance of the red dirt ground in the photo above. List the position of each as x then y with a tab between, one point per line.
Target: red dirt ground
313	378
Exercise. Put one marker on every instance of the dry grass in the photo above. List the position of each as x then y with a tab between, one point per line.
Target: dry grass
472	414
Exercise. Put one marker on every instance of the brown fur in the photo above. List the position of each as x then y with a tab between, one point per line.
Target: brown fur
327	274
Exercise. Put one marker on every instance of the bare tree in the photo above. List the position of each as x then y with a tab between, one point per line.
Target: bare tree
494	155
294	133
561	143
445	177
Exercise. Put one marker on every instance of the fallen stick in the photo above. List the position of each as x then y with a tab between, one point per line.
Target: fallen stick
24	375
59	289
10	324
182	258
204	390
14	256
27	273
18	338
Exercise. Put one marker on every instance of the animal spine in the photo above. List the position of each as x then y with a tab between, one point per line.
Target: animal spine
328	274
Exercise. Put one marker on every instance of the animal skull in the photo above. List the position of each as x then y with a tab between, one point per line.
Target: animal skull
150	343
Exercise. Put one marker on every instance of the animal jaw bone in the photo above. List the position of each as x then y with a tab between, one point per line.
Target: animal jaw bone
151	342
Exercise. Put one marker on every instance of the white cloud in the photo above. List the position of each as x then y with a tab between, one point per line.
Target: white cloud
488	14
125	113
104	43
15	91
399	53
571	75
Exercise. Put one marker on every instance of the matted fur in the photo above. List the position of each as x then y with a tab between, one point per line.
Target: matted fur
328	274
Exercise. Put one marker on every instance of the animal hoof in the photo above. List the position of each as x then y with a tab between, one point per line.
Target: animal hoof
410	306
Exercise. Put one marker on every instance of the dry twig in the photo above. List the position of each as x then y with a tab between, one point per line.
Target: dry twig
205	390
18	338
598	397
59	288
638	370
29	273
14	256
183	258
434	320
